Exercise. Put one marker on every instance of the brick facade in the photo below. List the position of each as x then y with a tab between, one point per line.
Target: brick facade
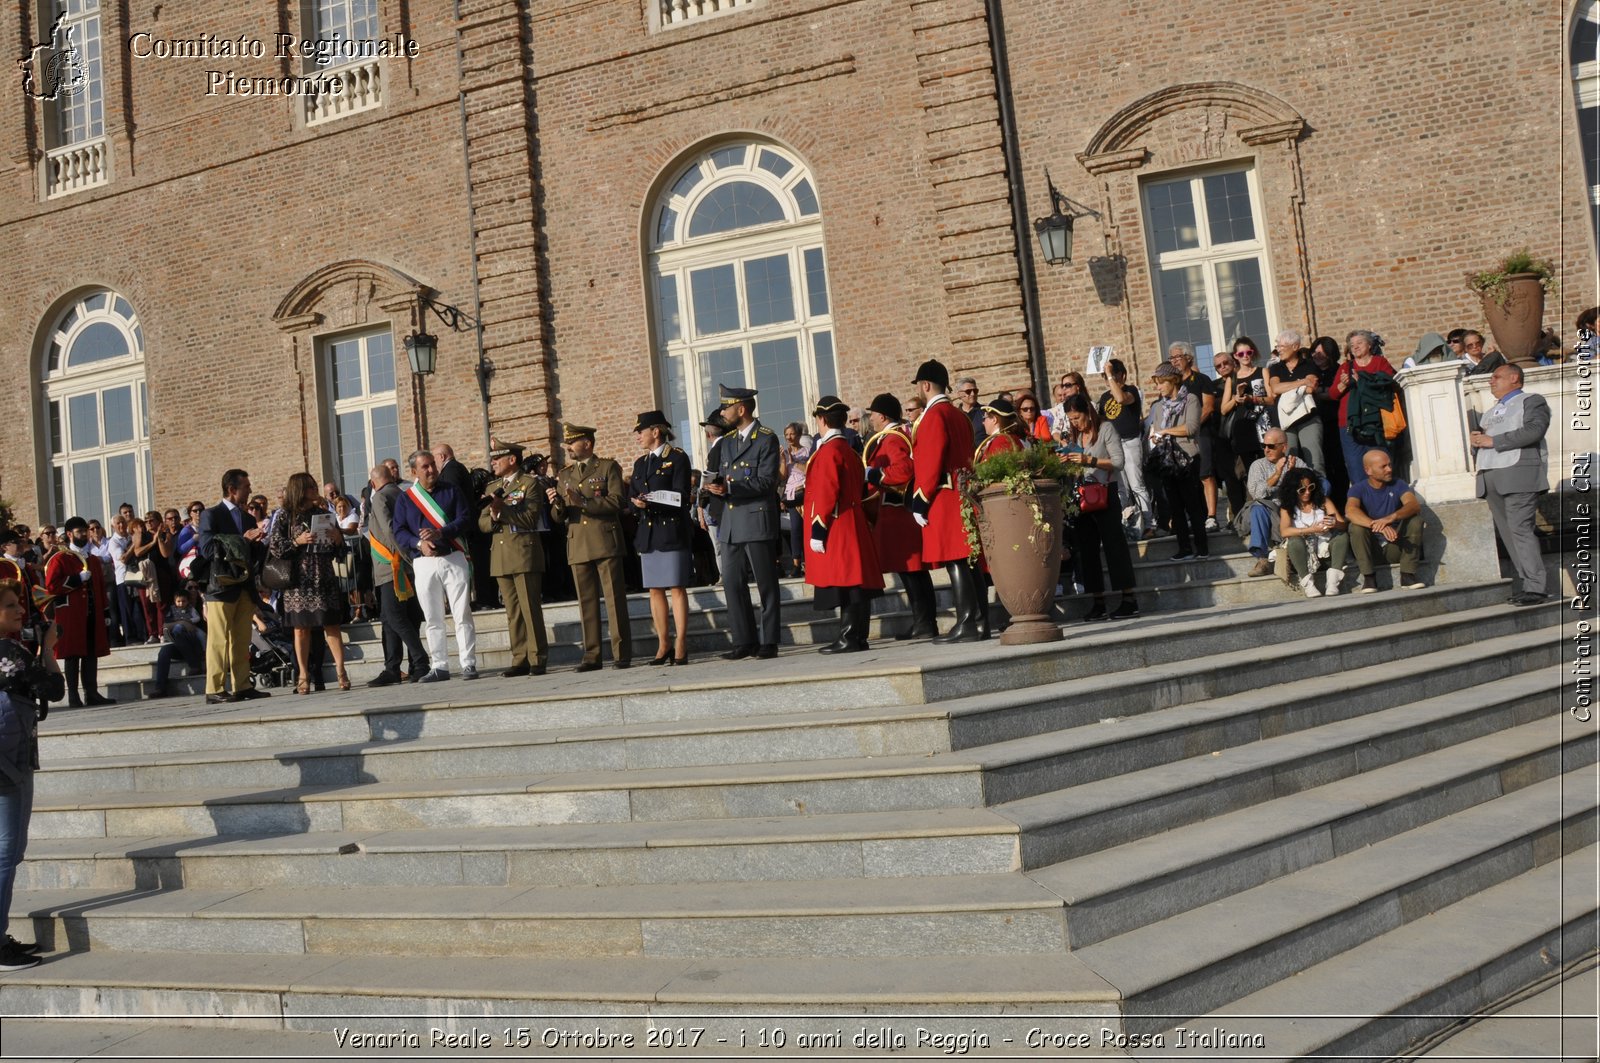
512	168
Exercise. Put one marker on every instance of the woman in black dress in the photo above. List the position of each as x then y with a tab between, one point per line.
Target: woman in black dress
315	598
659	489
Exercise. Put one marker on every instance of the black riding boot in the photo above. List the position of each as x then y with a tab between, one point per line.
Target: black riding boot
981	603
919	594
863	625
965	587
73	700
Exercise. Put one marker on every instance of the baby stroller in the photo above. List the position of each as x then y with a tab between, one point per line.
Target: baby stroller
271	657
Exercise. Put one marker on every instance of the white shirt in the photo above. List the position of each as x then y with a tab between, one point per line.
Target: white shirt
119	545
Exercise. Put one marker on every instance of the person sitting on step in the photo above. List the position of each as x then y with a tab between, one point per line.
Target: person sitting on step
1258	520
1312	531
1391	515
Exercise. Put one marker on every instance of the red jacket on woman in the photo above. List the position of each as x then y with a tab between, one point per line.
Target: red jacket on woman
833	514
898	537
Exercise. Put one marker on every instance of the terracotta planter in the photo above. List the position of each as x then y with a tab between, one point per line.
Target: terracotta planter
1516	326
1024	558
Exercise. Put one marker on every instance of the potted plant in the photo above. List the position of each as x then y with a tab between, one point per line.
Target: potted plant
1017	502
1513	302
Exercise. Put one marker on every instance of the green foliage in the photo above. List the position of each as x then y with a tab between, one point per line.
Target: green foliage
1491	283
1016	471
8	513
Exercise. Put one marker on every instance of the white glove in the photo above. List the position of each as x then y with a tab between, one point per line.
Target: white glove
816	546
922	521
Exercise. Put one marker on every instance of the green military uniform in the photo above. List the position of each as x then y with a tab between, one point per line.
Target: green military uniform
595	550
516	560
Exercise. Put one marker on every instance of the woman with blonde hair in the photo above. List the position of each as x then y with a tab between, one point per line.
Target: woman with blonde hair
309	536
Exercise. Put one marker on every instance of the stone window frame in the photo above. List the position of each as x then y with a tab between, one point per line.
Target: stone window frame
800	235
74	159
334	407
1586	99
369	84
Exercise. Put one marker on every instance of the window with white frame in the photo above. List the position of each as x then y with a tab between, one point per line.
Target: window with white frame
77	157
363	416
97	410
345	31
1208	260
1586	85
740	287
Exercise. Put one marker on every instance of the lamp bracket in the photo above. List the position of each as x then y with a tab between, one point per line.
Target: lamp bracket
454	318
1060	204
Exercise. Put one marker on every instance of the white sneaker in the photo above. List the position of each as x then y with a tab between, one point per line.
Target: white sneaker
1309	585
1211	524
1335	577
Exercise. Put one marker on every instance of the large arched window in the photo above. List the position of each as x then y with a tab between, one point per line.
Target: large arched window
740	288
97	409
1586	83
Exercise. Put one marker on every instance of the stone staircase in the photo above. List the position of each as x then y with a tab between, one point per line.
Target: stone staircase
1368	808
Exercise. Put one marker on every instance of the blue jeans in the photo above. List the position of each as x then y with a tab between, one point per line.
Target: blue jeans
1260	529
1355	453
16	808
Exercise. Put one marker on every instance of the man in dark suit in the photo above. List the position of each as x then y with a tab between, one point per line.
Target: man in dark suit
228	537
746	477
1512	458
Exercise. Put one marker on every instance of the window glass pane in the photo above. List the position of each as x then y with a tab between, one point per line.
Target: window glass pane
667	307
816	282
768	290
122	479
58	493
677	402
777	366
685	184
116	407
1241	300
722	366
723	158
774	163
95	303
353	463
380	364
1172	222
88	494
55	428
149	481
83	421
69	320
121	307
97	343
138	337
144	411
55	356
1586	41
385	439
822	352
716	300
667	226
1589	134
1228	207
734	206
1184	314
345	357
806	198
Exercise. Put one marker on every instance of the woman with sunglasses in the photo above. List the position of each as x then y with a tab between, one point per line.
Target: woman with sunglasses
1099	450
1033	425
1312	530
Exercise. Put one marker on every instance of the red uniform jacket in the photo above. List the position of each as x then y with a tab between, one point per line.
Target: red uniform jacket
898	537
999	443
81	613
941	446
833	513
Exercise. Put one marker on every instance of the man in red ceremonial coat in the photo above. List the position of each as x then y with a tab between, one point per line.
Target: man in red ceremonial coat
842	562
77	578
941	446
889	478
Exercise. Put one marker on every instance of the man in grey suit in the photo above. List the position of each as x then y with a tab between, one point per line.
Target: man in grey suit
1512	457
746	475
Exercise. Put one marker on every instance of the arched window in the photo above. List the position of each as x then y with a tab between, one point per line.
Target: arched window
740	288
1586	84
97	410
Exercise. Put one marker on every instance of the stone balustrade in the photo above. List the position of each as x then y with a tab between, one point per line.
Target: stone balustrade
675	12
361	90
77	166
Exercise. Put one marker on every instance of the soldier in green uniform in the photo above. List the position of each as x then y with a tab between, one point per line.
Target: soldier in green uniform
510	517
587	497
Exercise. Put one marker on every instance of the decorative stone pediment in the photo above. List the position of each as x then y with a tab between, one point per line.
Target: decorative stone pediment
343	294
1224	113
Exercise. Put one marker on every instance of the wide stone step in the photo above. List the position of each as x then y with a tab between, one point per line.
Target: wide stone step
791	736
822	917
1192	963
1067	823
1132	885
948	841
1381	997
892	674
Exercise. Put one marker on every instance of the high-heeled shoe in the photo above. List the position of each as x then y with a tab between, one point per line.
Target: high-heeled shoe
344	680
657	662
303	686
680	660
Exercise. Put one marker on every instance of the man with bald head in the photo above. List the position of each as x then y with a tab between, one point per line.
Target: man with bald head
1386	521
1512	456
398	607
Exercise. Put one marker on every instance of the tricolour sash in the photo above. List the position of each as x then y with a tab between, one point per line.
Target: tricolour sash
429	508
402	581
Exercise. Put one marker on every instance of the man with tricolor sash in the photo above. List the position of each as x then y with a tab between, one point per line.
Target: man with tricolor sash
391	578
429	525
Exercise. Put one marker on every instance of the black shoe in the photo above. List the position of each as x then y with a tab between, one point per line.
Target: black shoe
1096	612
918	630
516	671
15	959
319	686
588	666
13	943
73	701
1182	555
739	653
657	662
1528	598
679	661
251	694
469	674
157	692
537	669
96	699
1126	611
418	675
219	699
383	679
768	651
624	663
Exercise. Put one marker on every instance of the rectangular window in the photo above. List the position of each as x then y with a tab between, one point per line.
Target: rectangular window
80	106
364	415
1208	261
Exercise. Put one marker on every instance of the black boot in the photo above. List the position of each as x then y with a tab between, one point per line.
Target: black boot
73	701
965	587
91	683
863	625
919	594
845	643
981	603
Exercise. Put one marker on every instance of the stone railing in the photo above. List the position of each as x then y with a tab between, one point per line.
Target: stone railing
361	89
676	12
76	167
1442	403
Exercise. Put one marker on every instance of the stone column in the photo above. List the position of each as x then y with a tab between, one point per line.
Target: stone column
1442	468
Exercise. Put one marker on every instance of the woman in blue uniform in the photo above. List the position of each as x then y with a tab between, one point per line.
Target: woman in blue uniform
659	489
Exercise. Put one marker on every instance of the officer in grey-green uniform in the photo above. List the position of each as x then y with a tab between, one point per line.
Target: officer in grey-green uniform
510	517
587	498
746	476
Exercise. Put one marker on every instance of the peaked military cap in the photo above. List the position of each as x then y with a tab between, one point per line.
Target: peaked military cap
653	419
500	449
570	432
729	396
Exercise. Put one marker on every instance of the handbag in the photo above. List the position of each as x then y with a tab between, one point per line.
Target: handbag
277	573
1394	420
1295	405
1093	496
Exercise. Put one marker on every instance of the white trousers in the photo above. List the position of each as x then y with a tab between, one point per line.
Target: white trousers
439	578
1133	481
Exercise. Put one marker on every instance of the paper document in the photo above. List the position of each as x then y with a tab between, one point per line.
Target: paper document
665	498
